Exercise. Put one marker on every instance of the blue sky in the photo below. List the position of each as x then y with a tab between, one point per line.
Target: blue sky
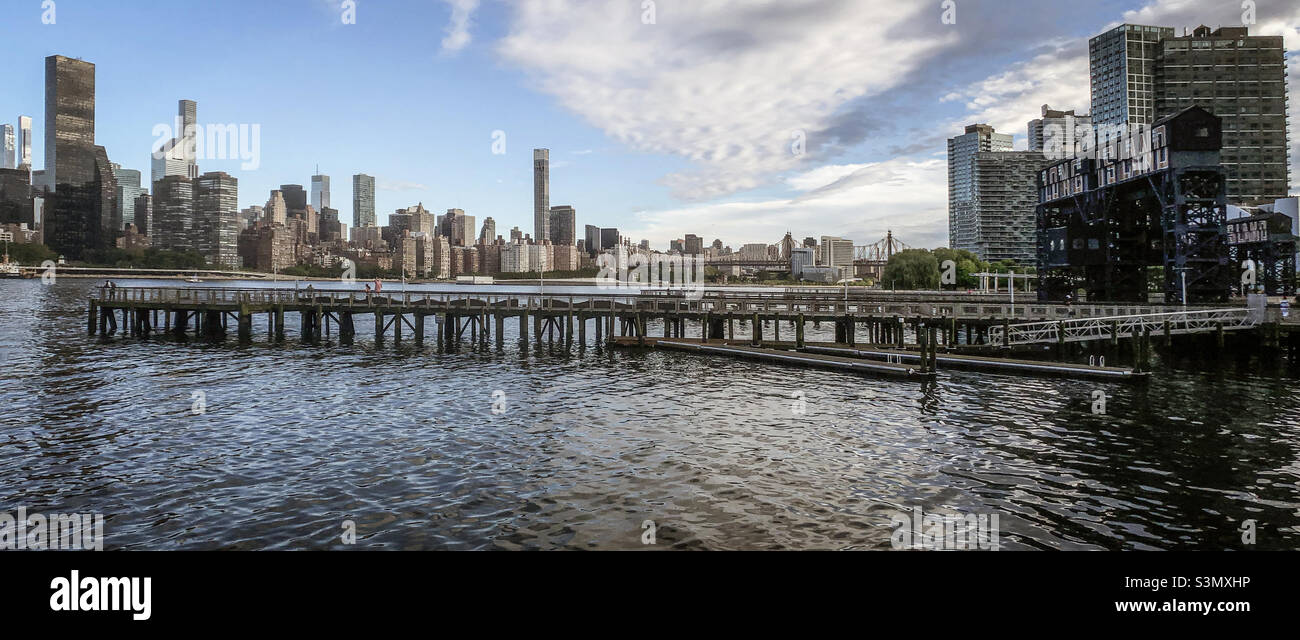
680	124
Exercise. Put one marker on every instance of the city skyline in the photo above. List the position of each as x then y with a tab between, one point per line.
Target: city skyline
636	178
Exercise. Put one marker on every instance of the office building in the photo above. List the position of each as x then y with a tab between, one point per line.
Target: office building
1122	67
320	192
592	244
541	194
216	219
961	195
25	142
837	253
128	189
173	213
488	235
81	208
8	147
363	200
563	226
609	238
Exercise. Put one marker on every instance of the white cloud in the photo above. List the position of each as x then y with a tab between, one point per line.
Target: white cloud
458	26
398	185
861	202
722	84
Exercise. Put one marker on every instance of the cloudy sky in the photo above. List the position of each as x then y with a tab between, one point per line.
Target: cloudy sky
738	120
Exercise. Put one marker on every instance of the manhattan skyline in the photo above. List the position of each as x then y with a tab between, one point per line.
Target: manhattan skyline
679	130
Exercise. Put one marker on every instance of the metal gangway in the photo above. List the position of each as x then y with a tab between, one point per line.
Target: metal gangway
1107	328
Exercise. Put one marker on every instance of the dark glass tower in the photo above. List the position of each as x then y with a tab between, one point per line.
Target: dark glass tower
80	210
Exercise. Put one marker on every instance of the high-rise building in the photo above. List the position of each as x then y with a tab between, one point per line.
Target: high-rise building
363	200
489	233
1057	133
216	218
8	147
1122	65
276	210
179	155
609	238
81	207
25	142
1002	221
128	189
961	194
836	253
592	243
188	116
1242	79
173	213
563	225
295	197
541	194
320	191
16	197
693	245
144	214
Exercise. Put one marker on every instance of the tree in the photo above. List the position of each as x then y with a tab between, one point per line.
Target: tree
912	269
968	264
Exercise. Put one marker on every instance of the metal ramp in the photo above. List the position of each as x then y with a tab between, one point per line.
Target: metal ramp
1106	328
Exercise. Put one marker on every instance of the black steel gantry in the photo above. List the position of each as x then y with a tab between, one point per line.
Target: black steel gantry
1150	196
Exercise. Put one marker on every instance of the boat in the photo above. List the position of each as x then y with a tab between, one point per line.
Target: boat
9	269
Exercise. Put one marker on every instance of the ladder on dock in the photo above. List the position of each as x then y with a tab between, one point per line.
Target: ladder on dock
1112	327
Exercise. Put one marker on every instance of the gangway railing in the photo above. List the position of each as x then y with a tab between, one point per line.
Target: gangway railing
1101	328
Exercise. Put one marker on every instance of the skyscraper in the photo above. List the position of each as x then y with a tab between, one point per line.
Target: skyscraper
216	218
320	192
179	155
564	225
363	200
295	197
82	203
173	213
961	194
1122	67
1242	79
8	147
188	113
591	239
541	194
25	142
128	189
489	233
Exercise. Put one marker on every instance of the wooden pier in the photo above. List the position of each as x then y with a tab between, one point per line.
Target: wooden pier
865	326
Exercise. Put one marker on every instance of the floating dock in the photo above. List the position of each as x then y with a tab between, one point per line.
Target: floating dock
820	361
1000	365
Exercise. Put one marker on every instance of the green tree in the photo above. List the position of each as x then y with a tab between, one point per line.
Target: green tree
912	269
968	264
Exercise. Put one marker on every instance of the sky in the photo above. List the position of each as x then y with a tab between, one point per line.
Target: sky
738	120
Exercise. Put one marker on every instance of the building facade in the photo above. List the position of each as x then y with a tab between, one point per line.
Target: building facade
216	219
961	193
541	194
1242	79
1122	70
363	200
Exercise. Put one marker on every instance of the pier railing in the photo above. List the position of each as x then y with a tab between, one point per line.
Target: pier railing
780	302
1087	329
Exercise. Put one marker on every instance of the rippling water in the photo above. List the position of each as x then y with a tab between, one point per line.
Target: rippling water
296	439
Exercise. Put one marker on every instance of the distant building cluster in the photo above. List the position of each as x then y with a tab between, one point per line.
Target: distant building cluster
1139	74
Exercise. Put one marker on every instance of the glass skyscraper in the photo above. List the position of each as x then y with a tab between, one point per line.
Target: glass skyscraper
363	200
